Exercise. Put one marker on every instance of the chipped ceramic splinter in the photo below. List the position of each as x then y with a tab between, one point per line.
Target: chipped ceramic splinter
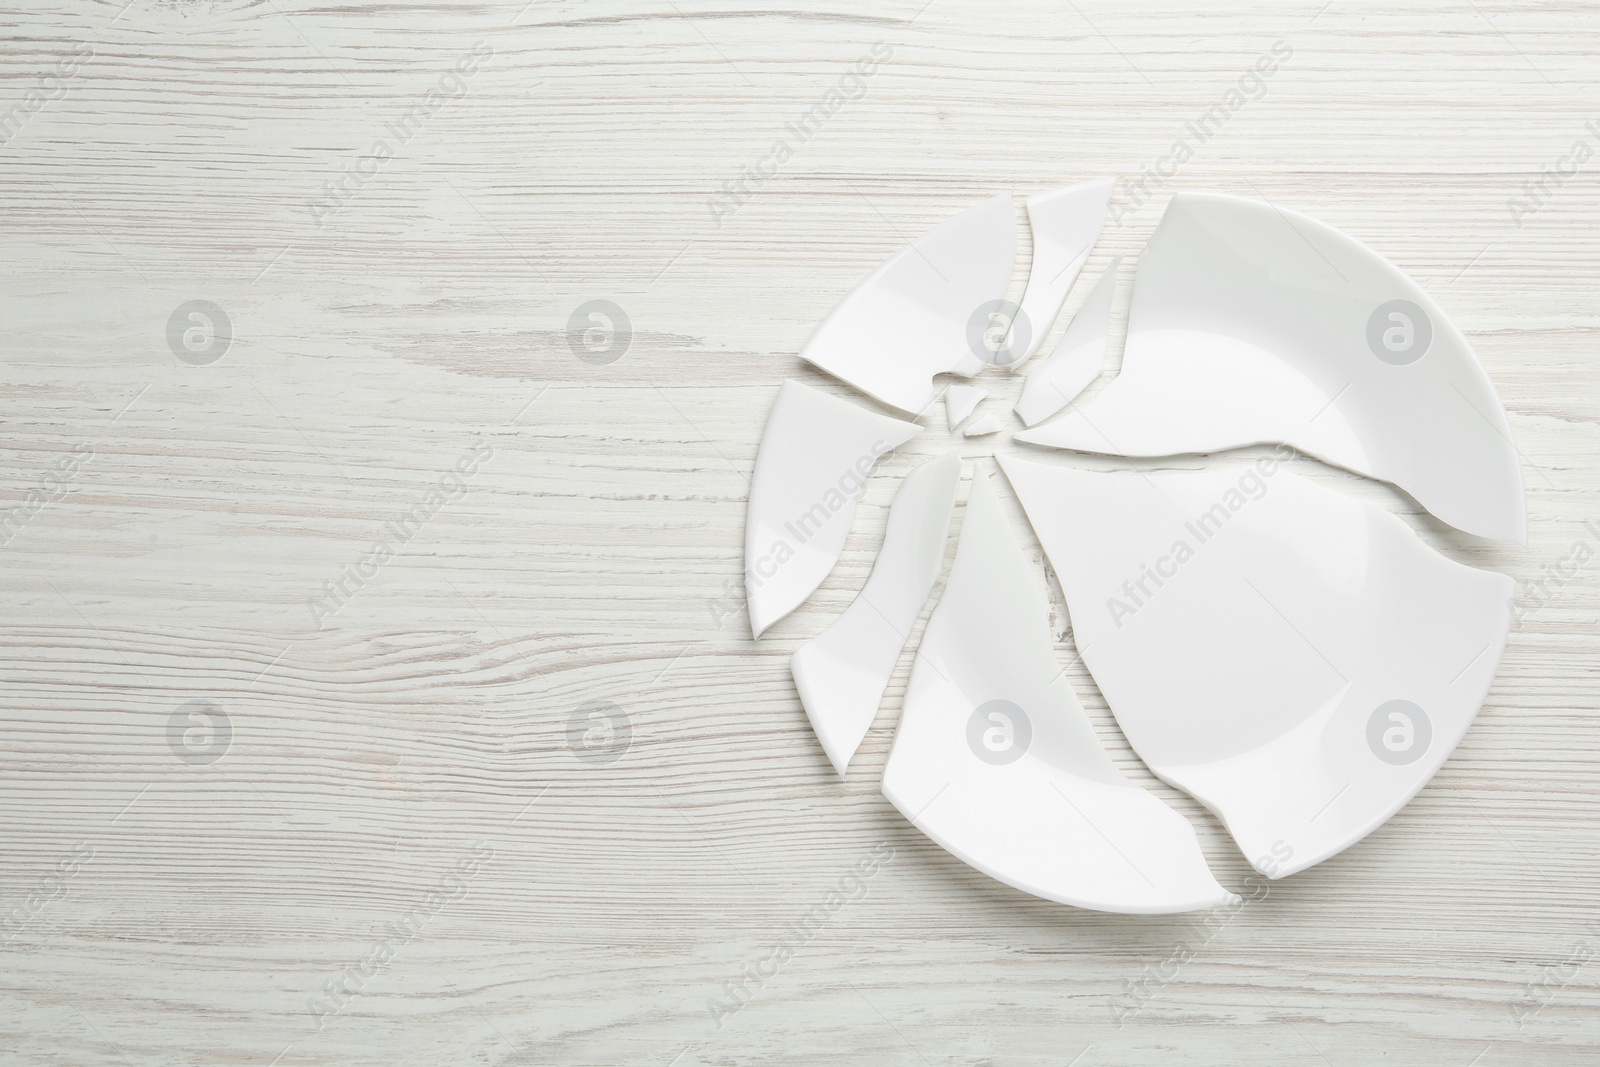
842	673
1065	223
813	463
984	425
923	311
1077	360
1253	324
1298	661
961	401
997	762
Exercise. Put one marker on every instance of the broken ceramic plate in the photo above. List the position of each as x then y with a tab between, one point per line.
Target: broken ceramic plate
1077	359
960	401
1254	324
1298	661
841	674
997	762
925	311
1065	223
811	469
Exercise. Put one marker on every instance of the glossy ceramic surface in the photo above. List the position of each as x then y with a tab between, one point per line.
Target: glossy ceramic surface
1255	324
1065	225
1298	661
1077	358
996	761
815	457
924	311
841	674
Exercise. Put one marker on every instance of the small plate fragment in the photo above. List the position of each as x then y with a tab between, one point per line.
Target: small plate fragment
841	674
961	401
1296	660
996	761
984	425
812	467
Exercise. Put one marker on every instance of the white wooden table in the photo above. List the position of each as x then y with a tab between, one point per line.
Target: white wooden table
241	829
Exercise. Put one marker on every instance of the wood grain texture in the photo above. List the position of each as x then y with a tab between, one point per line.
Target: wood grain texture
400	775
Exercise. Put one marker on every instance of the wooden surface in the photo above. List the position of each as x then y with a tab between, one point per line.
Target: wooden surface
399	808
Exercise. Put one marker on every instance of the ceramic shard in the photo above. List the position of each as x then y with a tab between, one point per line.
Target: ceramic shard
1254	324
1298	661
815	457
997	762
1065	224
841	674
961	401
1077	359
924	311
984	425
